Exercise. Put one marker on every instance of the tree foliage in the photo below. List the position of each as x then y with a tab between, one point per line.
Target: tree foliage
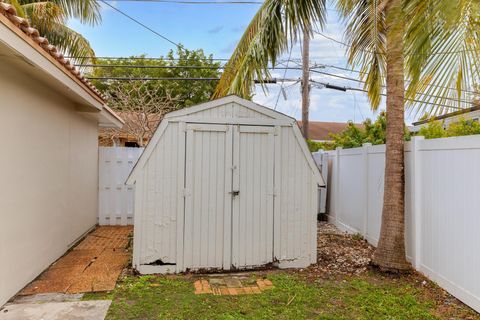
142	109
355	136
187	93
462	127
50	17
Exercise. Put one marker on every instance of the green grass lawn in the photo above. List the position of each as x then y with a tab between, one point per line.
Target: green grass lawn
295	296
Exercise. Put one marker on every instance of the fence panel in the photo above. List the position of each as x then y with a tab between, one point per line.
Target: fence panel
442	210
115	199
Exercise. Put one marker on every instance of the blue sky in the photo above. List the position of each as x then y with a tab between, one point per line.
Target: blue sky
216	28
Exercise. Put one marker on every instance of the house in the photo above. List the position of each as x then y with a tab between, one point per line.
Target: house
137	130
50	118
145	126
321	131
472	113
226	184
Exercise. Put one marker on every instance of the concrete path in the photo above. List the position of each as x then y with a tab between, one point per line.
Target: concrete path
55	307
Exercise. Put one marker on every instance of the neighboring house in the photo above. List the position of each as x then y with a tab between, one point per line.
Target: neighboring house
321	131
138	127
472	113
50	119
126	137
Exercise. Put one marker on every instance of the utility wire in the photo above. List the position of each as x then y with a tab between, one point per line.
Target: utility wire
264	81
363	82
284	75
383	94
167	67
143	25
409	54
190	2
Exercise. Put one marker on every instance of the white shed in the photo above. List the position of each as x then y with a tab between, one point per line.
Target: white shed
226	184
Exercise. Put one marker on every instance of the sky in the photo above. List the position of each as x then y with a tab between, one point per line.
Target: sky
216	28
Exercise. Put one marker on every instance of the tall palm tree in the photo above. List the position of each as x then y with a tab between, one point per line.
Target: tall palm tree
51	16
432	43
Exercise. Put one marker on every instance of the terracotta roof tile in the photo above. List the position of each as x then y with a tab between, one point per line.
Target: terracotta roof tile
10	13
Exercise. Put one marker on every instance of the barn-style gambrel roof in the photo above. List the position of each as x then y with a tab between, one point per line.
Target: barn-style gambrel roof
228	110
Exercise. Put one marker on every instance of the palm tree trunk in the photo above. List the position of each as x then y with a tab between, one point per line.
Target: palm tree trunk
390	253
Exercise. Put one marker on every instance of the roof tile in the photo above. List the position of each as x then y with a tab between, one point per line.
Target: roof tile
10	13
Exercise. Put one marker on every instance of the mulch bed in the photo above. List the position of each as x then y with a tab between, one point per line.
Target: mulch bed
340	253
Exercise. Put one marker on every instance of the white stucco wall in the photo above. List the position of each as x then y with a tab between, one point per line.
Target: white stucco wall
48	190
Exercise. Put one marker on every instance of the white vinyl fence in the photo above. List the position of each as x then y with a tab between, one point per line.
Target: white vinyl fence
442	206
115	200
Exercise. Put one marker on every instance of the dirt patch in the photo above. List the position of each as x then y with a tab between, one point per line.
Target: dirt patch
340	253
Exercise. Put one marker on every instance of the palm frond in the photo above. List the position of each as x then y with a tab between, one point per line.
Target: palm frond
366	34
87	11
70	42
18	7
442	52
267	36
43	14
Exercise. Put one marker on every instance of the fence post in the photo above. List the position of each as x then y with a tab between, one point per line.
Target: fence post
416	201
337	184
365	149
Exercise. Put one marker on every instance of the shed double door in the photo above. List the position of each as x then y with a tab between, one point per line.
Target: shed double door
229	196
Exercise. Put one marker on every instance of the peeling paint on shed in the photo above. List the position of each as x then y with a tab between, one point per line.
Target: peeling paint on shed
227	184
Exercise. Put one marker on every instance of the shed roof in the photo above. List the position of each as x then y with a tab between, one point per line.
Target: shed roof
280	118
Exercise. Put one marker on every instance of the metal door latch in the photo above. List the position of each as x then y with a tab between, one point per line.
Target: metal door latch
235	193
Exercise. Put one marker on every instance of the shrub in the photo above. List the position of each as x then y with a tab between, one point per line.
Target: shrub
433	130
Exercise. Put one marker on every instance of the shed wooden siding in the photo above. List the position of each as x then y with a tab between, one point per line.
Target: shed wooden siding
185	214
159	196
229	110
295	202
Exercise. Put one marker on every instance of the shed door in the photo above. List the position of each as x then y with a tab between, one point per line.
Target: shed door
229	196
207	200
252	219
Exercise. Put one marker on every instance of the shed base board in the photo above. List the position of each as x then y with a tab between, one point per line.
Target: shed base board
148	269
294	263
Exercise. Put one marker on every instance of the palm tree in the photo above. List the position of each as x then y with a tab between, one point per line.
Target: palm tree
50	18
432	43
266	38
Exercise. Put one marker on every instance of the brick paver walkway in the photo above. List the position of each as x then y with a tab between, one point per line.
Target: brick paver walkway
93	265
231	285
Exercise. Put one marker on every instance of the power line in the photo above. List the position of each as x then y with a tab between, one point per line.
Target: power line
167	67
190	2
384	95
409	54
363	82
139	58
143	25
284	75
264	81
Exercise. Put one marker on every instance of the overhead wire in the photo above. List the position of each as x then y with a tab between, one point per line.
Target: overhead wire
383	94
284	75
142	24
